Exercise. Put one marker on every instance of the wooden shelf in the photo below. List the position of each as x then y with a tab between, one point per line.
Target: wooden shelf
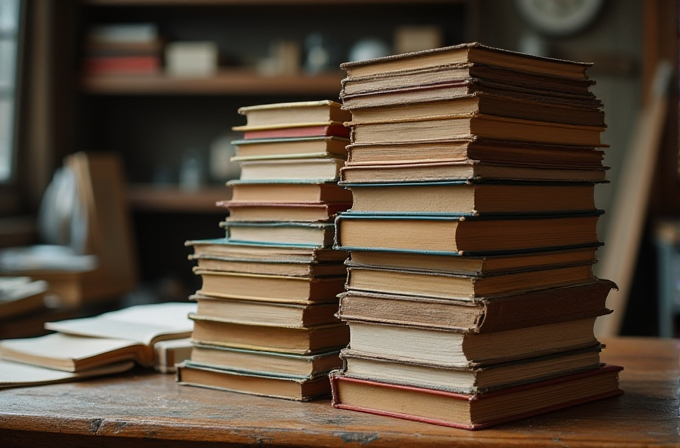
227	82
246	2
148	197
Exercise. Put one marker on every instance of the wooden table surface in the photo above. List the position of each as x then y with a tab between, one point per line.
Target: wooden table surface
150	410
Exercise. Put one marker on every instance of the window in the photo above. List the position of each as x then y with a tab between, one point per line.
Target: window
10	14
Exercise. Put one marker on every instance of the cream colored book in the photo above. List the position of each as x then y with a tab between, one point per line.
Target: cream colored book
14	374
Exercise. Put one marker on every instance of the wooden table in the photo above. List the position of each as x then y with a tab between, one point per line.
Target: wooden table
150	410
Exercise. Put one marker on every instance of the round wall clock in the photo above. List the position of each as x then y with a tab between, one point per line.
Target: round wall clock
558	17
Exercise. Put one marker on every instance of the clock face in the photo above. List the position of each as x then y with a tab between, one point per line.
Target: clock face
558	17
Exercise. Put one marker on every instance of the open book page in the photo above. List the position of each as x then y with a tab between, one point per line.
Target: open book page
141	323
13	374
72	353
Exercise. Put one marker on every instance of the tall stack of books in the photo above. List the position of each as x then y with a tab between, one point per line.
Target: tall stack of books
266	312
470	296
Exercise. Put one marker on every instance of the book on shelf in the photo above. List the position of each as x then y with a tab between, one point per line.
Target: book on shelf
290	191
456	348
266	362
454	126
481	314
263	287
258	312
302	341
474	411
292	113
476	380
454	235
473	52
465	198
317	234
306	169
468	170
459	286
122	65
223	247
298	389
290	147
325	129
21	295
141	325
15	374
495	152
468	76
381	110
266	267
473	265
283	211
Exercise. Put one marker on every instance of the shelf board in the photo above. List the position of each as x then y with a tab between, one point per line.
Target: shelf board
162	198
228	82
246	2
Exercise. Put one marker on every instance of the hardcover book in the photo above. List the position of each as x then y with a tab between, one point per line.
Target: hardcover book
307	169
464	198
376	108
302	341
457	286
263	287
289	233
298	389
473	52
486	151
456	235
458	349
290	147
474	380
293	113
479	315
466	170
223	247
258	312
266	362
474	411
266	267
283	212
454	126
288	191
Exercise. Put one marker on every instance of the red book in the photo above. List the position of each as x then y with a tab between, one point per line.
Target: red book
101	65
472	412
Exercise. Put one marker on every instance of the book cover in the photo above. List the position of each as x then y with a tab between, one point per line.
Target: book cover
486	126
331	128
254	149
293	268
192	374
288	191
325	169
464	53
223	247
266	362
479	315
467	170
473	199
472	380
293	113
458	235
303	234
474	411
301	341
282	212
457	286
262	287
15	374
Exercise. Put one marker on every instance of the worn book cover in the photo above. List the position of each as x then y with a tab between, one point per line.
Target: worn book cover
478	411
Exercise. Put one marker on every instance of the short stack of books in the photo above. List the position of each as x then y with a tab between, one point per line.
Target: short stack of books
123	49
470	295
266	319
